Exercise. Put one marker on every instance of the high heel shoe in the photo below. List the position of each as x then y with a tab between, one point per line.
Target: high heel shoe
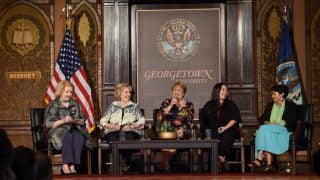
225	166
268	169
255	163
65	174
73	170
162	170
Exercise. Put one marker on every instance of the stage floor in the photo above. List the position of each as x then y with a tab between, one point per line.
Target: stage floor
247	176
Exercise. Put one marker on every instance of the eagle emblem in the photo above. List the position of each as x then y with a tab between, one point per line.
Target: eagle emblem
178	40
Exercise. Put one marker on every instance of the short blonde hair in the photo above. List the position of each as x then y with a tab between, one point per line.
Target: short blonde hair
119	89
180	84
61	86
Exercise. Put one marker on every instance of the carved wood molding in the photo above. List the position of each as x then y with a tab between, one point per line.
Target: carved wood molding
27	51
314	55
86	27
267	16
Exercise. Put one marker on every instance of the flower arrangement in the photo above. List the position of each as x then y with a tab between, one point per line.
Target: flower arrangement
165	126
166	131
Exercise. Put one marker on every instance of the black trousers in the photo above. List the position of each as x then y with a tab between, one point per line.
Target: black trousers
316	162
226	141
72	146
130	135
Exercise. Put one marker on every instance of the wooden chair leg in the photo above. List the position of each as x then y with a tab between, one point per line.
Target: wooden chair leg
191	160
199	160
293	159
89	162
99	160
243	169
147	155
252	153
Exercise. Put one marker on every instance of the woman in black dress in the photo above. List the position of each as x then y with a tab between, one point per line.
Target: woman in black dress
222	117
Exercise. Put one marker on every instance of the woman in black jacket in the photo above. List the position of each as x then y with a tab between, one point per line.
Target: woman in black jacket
222	117
276	124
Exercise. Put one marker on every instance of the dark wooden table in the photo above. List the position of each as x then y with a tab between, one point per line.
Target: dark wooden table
116	146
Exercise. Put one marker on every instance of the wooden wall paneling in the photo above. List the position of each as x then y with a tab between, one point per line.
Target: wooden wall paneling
308	16
109	38
124	41
223	50
110	72
239	61
313	58
313	52
246	99
247	47
116	47
233	67
107	97
316	137
19	136
247	103
240	65
133	50
31	56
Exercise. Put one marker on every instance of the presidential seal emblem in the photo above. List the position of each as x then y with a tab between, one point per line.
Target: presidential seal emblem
287	74
178	40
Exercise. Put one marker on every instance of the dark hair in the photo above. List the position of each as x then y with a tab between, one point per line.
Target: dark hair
280	88
44	166
215	95
6	151
24	163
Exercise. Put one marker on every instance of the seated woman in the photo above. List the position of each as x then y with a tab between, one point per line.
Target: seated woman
222	116
276	124
123	115
179	113
66	124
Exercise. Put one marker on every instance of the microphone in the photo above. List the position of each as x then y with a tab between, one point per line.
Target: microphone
122	113
122	125
174	97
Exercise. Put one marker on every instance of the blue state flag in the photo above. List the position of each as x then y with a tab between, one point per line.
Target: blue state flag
287	72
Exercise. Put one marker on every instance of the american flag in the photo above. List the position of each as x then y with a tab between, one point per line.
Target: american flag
68	67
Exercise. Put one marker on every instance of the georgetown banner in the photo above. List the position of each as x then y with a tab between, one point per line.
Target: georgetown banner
184	44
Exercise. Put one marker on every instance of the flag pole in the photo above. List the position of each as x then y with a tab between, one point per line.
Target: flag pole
67	9
285	11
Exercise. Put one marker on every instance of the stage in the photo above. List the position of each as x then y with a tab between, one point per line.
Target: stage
222	176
